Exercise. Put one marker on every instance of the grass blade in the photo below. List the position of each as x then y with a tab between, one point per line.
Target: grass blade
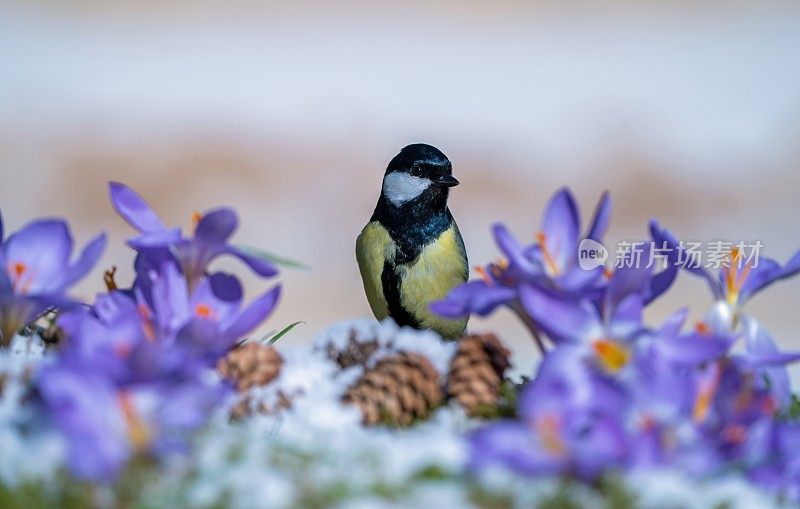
271	257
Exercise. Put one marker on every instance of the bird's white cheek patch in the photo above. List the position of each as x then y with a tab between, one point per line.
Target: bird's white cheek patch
399	187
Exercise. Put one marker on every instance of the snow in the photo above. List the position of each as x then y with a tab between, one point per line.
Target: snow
30	451
317	452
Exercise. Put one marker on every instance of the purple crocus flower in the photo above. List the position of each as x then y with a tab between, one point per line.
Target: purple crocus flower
607	330
556	248
739	279
548	273
35	271
570	422
210	320
106	424
551	263
155	241
761	354
85	408
772	458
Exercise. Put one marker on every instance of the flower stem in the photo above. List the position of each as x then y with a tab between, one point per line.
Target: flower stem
531	325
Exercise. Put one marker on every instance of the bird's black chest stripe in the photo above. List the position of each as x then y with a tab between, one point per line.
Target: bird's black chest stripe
409	245
411	227
392	283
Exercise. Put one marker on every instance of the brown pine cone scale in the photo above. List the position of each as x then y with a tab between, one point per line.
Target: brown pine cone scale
400	389
476	372
250	365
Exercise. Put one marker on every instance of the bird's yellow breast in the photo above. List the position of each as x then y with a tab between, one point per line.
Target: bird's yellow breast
440	266
373	247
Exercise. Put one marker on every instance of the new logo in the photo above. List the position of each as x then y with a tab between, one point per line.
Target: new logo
591	254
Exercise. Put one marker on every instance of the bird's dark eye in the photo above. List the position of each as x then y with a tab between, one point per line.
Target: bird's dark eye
416	171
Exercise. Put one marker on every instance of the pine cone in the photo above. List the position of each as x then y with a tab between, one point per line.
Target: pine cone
476	371
357	351
245	407
250	365
400	388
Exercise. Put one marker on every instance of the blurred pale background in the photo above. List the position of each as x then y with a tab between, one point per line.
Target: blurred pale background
688	112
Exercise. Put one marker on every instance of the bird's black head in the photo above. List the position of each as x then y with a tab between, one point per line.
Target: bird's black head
419	174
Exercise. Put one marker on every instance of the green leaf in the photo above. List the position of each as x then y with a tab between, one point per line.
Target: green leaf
270	257
274	339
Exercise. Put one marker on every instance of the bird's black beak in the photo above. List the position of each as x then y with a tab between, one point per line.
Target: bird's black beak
446	181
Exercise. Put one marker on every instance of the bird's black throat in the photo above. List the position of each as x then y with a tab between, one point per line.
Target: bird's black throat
414	224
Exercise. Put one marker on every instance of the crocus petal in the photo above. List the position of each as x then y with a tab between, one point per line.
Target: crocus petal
134	209
773	359
767	272
600	218
217	298
779	384
757	339
578	280
692	349
254	314
42	250
511	444
660	283
5	282
170	297
760	348
627	318
560	319
202	338
721	318
86	261
674	323
663	237
511	248
624	282
217	226
792	266
160	238
225	287
561	226
260	266
89	416
476	297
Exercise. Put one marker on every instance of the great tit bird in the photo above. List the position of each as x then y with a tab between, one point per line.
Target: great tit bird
411	252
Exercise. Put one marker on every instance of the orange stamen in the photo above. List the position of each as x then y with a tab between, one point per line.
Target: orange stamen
734	433
481	271
196	218
705	397
734	278
138	434
769	406
541	238
498	267
647	422
612	355
147	323
547	428
122	350
203	311
607	272
702	328
17	271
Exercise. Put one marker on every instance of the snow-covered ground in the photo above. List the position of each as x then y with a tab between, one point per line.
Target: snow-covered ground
316	454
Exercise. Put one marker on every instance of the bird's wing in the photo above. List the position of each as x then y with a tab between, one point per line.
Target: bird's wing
373	247
440	267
